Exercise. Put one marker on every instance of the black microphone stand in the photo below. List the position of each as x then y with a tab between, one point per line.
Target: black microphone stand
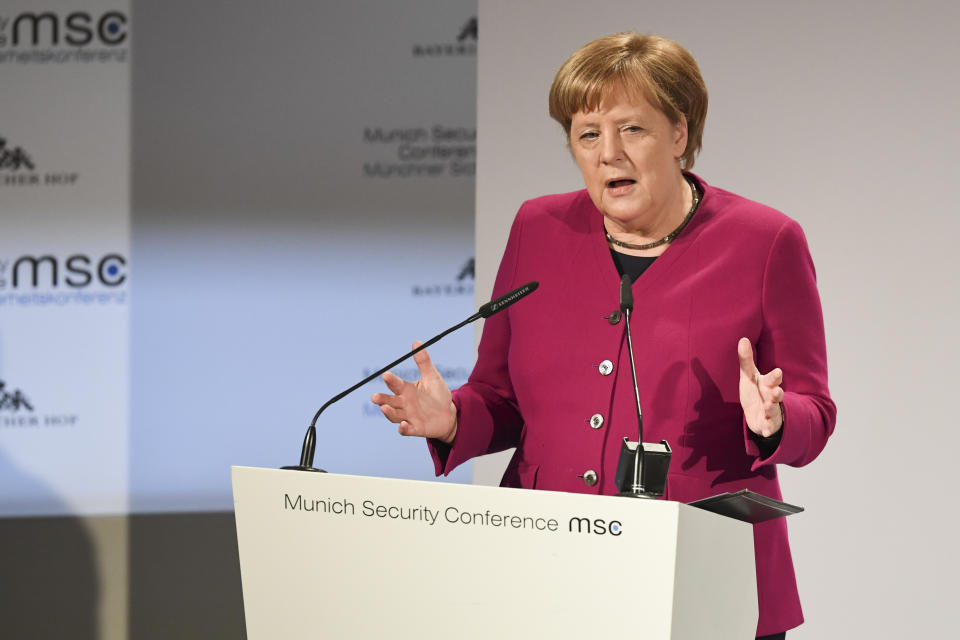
642	469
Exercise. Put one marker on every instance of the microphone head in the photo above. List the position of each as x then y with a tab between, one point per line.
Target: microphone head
626	294
507	299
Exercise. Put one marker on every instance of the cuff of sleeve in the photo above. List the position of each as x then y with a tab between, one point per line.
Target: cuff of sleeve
440	452
473	439
795	438
768	445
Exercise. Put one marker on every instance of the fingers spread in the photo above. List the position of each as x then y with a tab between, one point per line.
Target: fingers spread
774	378
392	414
397	402
424	363
770	386
407	429
394	382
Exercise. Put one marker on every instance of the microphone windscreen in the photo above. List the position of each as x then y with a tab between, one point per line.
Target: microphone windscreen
499	304
626	294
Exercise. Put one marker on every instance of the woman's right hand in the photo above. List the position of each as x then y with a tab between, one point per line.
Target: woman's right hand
423	408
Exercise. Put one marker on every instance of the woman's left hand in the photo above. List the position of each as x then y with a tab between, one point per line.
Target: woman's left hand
760	394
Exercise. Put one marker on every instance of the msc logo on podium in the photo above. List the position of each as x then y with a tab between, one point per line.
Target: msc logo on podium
597	526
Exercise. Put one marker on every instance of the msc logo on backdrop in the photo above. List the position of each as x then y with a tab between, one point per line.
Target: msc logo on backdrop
75	29
465	44
596	526
56	281
78	271
60	36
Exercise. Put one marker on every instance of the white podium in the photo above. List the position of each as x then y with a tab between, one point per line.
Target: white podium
335	556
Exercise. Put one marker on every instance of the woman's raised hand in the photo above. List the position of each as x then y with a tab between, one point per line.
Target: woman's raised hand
423	408
760	394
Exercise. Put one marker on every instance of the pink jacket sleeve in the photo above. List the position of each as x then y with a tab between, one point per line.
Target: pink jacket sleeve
487	414
793	339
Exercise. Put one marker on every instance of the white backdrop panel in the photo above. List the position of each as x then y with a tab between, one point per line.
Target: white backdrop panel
64	247
303	211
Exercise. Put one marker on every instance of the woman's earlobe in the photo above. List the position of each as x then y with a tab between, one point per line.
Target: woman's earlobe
682	133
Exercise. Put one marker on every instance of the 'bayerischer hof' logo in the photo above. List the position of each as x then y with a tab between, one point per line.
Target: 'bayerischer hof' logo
18	169
13	400
17	411
14	158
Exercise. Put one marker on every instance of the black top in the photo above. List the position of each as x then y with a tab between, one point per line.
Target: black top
633	266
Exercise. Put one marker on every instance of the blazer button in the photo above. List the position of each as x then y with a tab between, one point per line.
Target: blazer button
596	421
614	317
606	368
589	477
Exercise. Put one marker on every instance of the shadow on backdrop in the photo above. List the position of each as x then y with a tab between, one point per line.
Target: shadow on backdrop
49	586
185	577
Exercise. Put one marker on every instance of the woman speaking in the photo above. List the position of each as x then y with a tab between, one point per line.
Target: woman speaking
717	279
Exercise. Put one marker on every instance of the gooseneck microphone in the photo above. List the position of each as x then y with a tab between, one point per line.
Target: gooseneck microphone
626	307
485	311
642	469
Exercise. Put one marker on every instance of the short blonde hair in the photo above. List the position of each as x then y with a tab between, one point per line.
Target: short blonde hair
659	69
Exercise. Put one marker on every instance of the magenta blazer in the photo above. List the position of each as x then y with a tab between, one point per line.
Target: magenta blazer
552	376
